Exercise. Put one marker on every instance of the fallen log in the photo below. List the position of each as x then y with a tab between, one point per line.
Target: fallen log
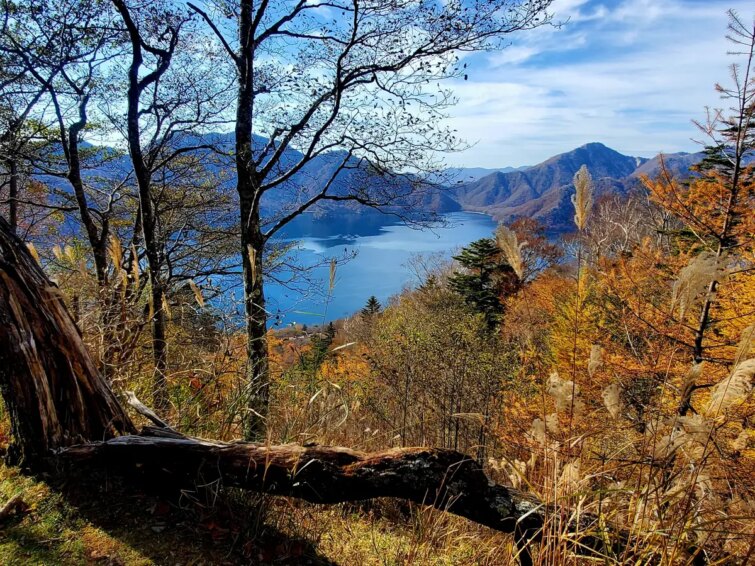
444	479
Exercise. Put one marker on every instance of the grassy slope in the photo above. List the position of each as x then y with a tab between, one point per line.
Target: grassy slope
101	523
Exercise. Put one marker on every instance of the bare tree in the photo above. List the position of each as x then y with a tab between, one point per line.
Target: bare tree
164	106
61	47
21	93
357	76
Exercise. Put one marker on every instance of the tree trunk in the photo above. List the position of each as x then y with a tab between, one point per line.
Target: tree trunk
143	174
53	393
258	386
252	239
159	345
13	195
97	236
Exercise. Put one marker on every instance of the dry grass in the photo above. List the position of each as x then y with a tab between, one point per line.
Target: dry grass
122	526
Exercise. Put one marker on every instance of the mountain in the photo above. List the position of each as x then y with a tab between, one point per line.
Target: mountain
398	192
678	164
543	191
463	175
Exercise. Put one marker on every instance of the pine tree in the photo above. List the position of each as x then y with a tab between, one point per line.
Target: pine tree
320	342
330	333
372	308
486	280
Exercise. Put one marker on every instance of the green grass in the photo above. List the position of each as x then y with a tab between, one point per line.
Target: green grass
99	521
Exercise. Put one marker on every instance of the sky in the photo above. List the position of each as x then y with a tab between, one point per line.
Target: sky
631	74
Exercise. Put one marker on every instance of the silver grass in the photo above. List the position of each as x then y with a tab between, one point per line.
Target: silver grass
612	399
582	197
511	248
694	280
733	389
596	360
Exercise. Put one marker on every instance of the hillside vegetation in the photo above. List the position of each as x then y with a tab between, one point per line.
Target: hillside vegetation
609	374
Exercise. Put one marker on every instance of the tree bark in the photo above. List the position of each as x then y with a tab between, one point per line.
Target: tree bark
445	479
252	238
13	195
256	326
52	390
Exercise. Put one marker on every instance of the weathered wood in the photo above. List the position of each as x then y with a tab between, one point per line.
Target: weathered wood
145	411
53	393
16	504
445	479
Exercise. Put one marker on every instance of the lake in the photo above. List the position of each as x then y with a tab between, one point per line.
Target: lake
372	252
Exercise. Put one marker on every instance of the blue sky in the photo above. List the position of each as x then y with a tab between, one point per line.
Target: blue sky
629	73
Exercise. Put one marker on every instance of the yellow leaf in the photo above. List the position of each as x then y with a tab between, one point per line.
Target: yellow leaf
70	254
197	293
116	252
166	308
33	252
135	265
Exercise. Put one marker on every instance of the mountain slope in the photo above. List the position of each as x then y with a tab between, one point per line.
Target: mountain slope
543	191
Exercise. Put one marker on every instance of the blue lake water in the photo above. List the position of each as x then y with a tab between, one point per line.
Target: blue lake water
372	252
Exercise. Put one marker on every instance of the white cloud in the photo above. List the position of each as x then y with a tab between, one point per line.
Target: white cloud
631	74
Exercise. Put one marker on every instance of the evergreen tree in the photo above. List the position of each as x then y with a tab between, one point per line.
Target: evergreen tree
486	279
330	333
372	307
430	284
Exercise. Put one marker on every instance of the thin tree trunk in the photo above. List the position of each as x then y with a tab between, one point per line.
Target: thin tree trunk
146	206
97	236
252	239
159	345
258	387
13	195
52	390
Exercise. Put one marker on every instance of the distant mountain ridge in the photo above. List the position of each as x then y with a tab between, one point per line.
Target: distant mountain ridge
463	175
540	191
543	191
